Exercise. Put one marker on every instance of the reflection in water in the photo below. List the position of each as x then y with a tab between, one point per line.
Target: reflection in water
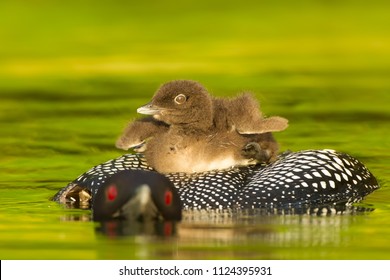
261	235
228	234
312	228
233	225
119	228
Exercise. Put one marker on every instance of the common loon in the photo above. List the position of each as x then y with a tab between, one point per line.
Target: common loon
202	133
295	182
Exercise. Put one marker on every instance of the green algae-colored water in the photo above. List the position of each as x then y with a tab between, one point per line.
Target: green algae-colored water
72	74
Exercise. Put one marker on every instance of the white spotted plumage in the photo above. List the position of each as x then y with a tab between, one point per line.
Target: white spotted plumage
312	177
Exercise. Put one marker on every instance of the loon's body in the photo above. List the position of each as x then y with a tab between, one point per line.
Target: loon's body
201	133
300	180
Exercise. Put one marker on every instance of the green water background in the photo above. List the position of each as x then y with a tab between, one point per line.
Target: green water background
72	74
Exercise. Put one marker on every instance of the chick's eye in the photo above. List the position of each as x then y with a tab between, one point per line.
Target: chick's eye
180	99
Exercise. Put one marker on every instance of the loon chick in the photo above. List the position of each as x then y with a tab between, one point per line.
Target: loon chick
140	195
138	132
202	133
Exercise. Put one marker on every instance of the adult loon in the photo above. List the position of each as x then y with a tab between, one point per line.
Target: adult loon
295	182
197	132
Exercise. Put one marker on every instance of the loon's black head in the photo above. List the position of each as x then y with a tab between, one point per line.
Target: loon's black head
137	194
181	102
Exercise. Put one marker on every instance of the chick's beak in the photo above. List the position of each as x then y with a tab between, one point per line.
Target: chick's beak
149	109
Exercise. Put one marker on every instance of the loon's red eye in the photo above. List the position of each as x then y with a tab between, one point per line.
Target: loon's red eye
111	192
168	197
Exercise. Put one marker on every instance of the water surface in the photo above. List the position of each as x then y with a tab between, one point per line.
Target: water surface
72	75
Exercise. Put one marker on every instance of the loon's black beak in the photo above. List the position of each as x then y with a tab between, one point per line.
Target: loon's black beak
149	109
140	206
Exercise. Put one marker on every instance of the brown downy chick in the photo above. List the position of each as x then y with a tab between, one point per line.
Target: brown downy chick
243	115
184	105
136	133
263	148
205	133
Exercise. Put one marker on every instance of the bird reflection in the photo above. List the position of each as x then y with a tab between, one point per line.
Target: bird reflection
235	224
251	234
119	228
